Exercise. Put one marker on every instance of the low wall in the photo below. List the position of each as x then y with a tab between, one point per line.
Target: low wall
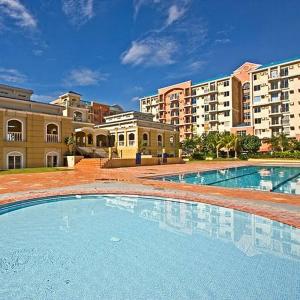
275	160
149	161
71	161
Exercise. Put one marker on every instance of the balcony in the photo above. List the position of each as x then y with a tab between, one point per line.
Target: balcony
187	104
174	107
121	143
14	136
276	124
131	143
52	138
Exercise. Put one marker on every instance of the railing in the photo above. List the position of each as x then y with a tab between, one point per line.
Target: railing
52	138
131	143
121	143
14	136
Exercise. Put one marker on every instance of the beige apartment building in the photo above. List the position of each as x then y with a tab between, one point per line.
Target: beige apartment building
254	99
275	94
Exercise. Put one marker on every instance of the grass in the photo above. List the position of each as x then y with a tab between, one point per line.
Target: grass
32	170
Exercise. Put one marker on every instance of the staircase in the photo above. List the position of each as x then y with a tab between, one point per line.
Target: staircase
92	152
91	164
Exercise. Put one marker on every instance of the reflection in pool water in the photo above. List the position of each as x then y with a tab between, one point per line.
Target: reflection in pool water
266	178
125	247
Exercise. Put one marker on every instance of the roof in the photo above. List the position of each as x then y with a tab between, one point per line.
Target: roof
16	88
152	95
278	63
211	79
71	92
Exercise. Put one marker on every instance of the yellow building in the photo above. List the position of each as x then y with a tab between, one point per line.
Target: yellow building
32	132
129	133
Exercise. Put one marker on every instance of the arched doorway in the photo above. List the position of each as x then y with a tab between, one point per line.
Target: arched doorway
101	140
80	139
14	131
14	160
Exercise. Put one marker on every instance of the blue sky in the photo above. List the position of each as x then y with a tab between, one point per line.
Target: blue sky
114	51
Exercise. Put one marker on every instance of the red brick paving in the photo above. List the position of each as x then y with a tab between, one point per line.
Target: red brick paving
34	182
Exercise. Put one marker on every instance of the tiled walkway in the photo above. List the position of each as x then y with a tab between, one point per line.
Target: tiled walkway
281	207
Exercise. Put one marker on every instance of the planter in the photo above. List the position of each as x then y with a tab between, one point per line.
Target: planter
72	160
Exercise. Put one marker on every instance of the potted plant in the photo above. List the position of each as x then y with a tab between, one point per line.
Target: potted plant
72	159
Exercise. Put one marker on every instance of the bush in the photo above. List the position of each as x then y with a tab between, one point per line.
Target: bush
243	156
198	156
283	154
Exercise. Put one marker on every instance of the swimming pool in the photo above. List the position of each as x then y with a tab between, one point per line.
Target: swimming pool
129	247
266	178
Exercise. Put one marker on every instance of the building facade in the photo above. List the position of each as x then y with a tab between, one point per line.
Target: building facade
132	132
32	133
254	99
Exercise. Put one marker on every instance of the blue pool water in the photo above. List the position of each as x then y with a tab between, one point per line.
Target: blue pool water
267	178
126	247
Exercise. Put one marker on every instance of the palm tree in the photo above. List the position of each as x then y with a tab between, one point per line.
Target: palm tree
70	142
279	142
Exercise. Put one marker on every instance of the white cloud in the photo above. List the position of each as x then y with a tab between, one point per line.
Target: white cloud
223	41
135	99
78	11
175	13
12	76
150	52
17	11
84	77
137	5
196	65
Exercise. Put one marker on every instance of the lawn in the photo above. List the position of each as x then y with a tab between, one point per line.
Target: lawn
32	170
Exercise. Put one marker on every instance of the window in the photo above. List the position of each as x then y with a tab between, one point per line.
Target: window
159	140
52	133
284	83
246	106
274	97
14	131
172	140
254	77
206	108
226	94
226	83
256	99
194	100
257	120
241	132
257	109
274	73
284	71
121	140
14	160
131	139
52	160
285	107
274	85
174	96
257	87
145	139
226	103
227	113
246	116
77	116
246	86
284	95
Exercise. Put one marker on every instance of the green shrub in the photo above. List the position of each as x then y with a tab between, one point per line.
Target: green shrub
198	156
283	155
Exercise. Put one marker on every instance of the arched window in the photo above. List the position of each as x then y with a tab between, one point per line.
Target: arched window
14	131
52	133
145	141
14	160
159	140
131	138
246	86
90	139
77	116
52	159
121	140
172	140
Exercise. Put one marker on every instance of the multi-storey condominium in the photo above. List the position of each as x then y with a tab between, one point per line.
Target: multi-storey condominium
275	94
254	99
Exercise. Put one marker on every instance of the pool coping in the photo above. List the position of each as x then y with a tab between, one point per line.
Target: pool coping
285	217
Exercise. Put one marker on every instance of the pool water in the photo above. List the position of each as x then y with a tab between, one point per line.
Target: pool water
267	178
127	247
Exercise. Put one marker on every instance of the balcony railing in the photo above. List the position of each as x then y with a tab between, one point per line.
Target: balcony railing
121	143
52	138
14	136
131	143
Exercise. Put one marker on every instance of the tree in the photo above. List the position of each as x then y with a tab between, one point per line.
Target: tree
279	142
250	143
211	141
189	146
228	142
70	142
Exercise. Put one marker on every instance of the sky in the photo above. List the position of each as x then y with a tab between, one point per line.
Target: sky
115	51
